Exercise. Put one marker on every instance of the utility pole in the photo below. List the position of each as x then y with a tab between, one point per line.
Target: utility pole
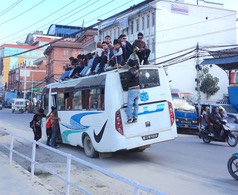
198	82
32	86
24	80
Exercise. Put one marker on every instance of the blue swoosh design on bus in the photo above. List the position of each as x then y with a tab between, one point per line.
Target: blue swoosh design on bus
75	125
75	121
159	108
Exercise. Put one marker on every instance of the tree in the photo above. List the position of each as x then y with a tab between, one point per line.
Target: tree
209	84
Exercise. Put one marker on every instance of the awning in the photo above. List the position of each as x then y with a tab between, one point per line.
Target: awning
36	89
230	63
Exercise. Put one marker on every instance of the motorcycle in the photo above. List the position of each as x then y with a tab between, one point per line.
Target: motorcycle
232	166
225	136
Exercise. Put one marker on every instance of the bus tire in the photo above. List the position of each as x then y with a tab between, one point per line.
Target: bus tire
88	147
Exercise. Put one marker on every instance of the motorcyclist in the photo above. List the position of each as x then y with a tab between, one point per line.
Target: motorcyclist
215	119
205	119
222	113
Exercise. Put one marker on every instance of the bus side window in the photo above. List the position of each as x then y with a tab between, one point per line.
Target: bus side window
77	100
60	101
68	100
86	99
67	103
101	99
94	99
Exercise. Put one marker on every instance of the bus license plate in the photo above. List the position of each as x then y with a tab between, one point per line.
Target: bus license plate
151	136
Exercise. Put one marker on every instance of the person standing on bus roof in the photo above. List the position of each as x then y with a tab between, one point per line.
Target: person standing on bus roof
133	91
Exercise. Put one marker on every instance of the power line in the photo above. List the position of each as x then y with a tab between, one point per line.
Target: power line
25	28
109	11
82	10
168	29
217	46
87	28
173	39
80	6
199	35
174	58
22	13
80	17
10	7
94	10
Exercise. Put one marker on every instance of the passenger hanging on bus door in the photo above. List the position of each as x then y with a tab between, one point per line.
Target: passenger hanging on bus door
55	127
133	91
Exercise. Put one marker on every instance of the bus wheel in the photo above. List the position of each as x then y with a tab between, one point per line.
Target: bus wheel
88	147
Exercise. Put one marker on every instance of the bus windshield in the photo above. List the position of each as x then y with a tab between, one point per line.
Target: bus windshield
148	78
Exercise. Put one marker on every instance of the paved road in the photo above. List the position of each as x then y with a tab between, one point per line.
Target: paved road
183	166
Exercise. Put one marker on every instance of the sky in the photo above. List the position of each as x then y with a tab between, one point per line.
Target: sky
20	17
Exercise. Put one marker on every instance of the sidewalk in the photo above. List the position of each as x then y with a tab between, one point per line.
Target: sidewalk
16	181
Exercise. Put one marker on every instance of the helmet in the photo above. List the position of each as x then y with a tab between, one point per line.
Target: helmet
214	108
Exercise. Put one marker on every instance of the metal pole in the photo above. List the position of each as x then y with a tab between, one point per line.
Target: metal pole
11	149
136	191
68	174
24	80
32	86
33	159
198	80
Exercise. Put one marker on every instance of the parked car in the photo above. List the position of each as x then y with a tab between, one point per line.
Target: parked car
19	104
185	114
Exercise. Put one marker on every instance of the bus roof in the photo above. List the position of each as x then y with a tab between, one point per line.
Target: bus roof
93	79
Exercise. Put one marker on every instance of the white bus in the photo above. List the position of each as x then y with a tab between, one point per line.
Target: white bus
92	110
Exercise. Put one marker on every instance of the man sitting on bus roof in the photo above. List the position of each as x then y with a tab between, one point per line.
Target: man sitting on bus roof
115	54
143	51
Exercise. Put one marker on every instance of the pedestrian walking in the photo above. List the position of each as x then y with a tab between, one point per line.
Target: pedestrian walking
37	122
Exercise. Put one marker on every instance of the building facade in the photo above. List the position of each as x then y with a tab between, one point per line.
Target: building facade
87	39
57	56
32	63
175	28
27	79
12	62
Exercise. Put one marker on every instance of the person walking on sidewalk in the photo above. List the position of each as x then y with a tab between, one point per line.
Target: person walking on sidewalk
37	121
